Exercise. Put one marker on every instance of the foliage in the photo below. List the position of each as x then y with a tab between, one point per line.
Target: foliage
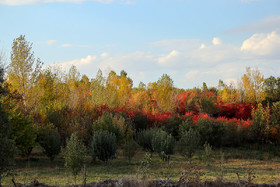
171	126
7	148
74	154
145	166
260	127
21	73
164	144
144	139
129	149
49	139
189	143
211	131
252	86
275	122
271	86
23	132
105	123
186	125
207	154
104	145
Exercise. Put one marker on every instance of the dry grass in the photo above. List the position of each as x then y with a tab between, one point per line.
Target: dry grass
264	165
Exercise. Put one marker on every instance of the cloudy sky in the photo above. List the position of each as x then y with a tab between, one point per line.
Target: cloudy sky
193	41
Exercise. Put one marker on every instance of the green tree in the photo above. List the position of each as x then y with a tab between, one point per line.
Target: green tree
74	154
49	139
104	145
7	148
259	128
23	132
271	86
163	144
189	143
21	72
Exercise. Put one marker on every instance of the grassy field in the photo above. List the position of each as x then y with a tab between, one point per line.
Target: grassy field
264	164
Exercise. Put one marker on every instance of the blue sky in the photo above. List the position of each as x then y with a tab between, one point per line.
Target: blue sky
193	41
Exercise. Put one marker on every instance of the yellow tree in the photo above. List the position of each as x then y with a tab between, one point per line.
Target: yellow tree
166	95
252	86
124	88
98	89
112	84
21	71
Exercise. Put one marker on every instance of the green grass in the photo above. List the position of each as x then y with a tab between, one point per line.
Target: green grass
264	163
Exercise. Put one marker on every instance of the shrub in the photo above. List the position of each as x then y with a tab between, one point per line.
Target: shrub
49	139
144	139
171	126
185	126
163	144
211	131
232	134
275	122
140	121
115	124
104	145
129	149
259	129
23	133
189	143
7	148
74	155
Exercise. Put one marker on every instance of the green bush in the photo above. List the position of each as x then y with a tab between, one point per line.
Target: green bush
23	132
233	134
144	139
211	131
171	126
185	126
258	131
74	154
49	139
189	143
7	148
129	149
115	124
103	145
163	144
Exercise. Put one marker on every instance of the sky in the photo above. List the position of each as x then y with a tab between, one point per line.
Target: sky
193	41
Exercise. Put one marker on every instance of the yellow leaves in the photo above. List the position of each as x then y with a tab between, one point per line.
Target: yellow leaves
252	86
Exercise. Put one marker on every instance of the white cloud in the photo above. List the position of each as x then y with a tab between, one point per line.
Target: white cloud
168	59
66	45
216	41
79	63
262	44
188	66
202	46
24	2
50	42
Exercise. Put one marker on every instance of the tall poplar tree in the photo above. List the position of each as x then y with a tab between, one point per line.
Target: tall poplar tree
21	71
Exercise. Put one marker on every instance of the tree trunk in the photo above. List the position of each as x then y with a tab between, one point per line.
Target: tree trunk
85	175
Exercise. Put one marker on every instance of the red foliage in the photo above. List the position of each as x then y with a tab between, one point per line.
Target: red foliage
239	110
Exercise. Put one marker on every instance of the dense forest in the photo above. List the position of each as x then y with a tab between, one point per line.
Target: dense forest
45	106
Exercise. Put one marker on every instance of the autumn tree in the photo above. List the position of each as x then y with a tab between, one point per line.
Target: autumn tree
22	73
125	88
98	89
165	95
252	86
271	86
